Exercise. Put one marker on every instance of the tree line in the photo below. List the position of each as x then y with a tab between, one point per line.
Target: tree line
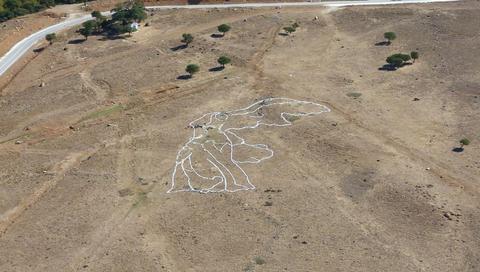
121	22
13	8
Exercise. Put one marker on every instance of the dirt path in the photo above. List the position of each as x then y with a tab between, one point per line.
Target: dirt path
58	171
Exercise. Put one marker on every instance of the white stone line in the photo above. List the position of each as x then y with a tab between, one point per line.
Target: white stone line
232	178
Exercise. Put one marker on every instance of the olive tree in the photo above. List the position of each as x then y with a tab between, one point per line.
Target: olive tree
87	28
192	69
52	37
223	60
464	142
398	60
223	28
97	15
390	36
187	39
414	55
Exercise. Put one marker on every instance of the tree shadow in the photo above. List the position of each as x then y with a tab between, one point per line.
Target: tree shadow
179	47
458	149
216	35
384	43
387	68
76	41
282	34
184	77
193	2
216	69
112	38
38	50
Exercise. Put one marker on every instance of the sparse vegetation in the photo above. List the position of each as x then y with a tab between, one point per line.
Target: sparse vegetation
191	69
51	38
289	29
259	260
354	95
390	36
223	28
291	118
103	112
223	60
187	39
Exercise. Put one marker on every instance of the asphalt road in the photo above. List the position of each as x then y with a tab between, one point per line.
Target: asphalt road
22	47
300	4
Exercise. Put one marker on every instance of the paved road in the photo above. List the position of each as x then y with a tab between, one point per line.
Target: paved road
22	47
300	4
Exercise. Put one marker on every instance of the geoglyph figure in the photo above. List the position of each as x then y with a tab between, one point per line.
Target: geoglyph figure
212	159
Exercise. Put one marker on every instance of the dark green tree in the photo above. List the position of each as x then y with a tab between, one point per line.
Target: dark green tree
187	39
86	31
52	37
390	36
414	55
223	60
223	28
137	12
97	14
192	69
398	60
464	142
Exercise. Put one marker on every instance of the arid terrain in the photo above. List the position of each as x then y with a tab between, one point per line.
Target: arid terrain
90	131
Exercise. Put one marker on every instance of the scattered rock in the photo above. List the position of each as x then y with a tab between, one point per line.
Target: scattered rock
268	203
18	142
142	181
416	99
42	84
447	215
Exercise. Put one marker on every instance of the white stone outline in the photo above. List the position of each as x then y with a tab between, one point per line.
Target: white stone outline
185	162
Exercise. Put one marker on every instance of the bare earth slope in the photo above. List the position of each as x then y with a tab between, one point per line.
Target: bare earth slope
373	185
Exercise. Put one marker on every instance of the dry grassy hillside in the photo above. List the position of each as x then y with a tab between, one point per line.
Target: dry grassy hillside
90	131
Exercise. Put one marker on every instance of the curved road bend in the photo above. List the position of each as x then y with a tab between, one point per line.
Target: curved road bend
22	47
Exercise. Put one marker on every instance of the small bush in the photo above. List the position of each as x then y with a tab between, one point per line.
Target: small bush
259	260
